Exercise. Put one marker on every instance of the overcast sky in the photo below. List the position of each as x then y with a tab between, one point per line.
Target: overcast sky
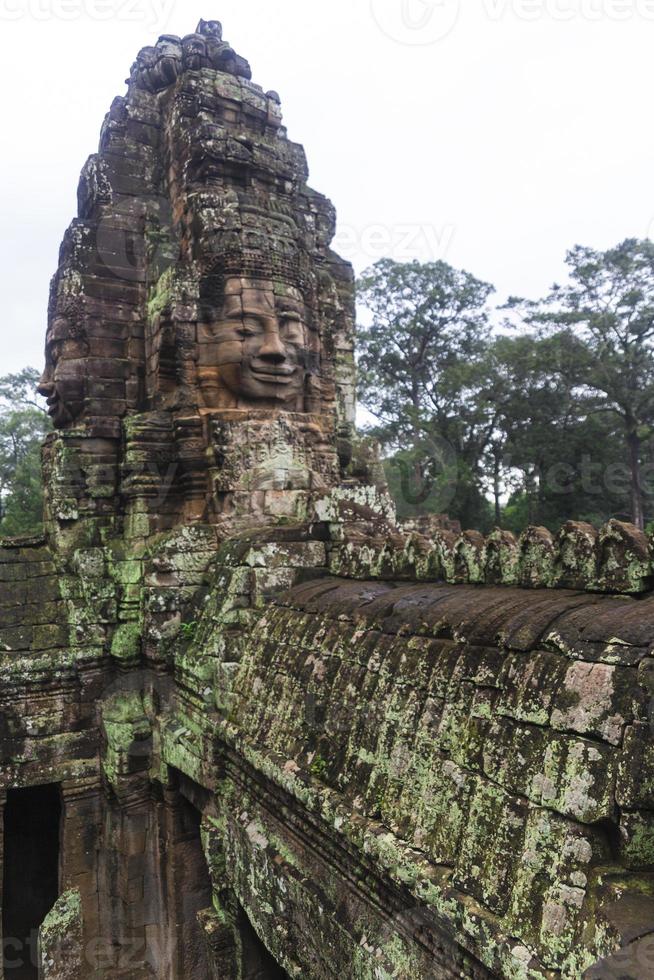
494	134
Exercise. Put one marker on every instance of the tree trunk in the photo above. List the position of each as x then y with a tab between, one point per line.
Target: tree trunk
418	463
637	505
497	491
529	490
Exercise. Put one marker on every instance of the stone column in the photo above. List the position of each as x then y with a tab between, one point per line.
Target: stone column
131	892
188	887
81	823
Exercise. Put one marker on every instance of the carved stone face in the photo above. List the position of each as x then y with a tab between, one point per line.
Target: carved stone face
194	48
145	60
168	62
63	383
257	349
211	28
168	46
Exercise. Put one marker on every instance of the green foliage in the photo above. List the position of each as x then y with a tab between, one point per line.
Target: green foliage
556	415
318	767
23	427
188	630
563	460
422	479
421	371
605	316
516	513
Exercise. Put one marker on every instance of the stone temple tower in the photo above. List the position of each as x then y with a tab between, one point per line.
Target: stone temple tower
199	324
249	725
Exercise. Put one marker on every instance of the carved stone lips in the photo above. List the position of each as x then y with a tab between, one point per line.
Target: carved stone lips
52	401
276	375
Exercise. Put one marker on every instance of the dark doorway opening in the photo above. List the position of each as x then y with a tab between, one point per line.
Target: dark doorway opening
31	874
257	963
192	892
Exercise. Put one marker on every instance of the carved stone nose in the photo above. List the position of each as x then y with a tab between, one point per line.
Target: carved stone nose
45	388
272	349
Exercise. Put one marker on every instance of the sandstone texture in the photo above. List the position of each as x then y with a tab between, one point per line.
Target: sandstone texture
289	736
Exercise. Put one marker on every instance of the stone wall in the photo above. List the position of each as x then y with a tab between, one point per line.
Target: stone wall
289	736
617	558
484	747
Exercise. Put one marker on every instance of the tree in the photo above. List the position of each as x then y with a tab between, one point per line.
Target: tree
23	427
607	310
420	371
